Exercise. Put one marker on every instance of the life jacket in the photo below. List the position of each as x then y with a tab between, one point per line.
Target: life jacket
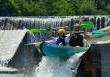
76	41
61	40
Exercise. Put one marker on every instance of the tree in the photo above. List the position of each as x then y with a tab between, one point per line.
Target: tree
53	7
75	5
108	8
62	7
87	7
49	5
7	8
13	4
101	12
31	8
102	4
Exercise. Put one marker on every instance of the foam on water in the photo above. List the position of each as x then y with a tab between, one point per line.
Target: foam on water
57	67
103	42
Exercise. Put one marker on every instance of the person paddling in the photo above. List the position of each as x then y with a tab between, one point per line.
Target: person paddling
76	38
62	38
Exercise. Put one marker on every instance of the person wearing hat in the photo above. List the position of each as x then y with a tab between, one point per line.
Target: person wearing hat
76	38
62	38
49	33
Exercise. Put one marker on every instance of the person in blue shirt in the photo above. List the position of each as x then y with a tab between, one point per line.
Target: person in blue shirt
62	38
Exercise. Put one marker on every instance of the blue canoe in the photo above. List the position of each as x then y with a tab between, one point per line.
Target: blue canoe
99	33
53	50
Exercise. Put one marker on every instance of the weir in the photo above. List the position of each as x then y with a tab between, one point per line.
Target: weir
23	61
15	55
58	67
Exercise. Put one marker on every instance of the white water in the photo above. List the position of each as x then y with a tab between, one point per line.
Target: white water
57	67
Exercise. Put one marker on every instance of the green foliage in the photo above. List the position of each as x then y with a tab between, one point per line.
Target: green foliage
53	7
75	5
87	7
7	8
108	8
102	12
62	8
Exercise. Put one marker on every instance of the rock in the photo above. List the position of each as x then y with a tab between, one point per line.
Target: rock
90	65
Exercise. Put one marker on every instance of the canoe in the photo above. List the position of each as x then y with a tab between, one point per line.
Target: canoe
53	50
99	33
95	40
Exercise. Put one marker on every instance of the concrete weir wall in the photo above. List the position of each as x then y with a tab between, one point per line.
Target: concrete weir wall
95	62
26	55
13	46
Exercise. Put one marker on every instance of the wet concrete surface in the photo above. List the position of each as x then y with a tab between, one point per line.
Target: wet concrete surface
12	75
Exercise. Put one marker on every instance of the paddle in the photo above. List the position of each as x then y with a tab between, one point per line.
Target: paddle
86	24
38	30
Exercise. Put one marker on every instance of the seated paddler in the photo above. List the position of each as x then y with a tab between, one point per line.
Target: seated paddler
76	37
62	38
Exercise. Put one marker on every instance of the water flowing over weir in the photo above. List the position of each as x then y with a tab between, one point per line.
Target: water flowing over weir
11	23
48	67
56	22
58	67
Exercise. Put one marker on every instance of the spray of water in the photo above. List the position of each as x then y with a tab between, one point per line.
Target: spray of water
58	67
31	37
